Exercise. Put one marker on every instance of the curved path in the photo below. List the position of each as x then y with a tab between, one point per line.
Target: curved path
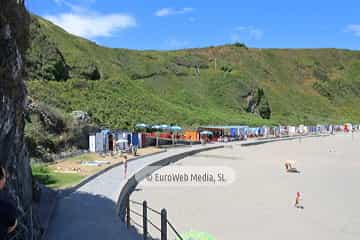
89	212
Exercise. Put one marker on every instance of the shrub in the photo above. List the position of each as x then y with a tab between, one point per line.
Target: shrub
241	45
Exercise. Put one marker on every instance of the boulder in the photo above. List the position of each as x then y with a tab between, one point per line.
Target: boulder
80	117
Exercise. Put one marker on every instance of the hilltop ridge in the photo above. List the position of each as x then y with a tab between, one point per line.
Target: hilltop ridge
229	84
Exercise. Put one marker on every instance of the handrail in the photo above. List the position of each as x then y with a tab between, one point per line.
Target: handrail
145	218
136	203
123	203
173	228
154	211
136	213
154	225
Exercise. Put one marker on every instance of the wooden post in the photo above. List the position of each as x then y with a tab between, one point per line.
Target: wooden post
128	212
145	222
163	224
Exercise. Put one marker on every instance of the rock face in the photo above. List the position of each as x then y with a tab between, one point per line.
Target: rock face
51	120
258	103
13	153
80	117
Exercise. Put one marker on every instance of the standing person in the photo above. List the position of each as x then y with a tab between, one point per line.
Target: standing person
135	148
114	146
297	200
8	221
125	165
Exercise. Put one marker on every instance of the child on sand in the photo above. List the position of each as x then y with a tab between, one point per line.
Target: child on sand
297	201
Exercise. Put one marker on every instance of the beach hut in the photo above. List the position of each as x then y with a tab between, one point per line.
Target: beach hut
266	131
234	132
92	143
191	135
291	130
243	131
106	140
135	139
253	131
277	131
99	142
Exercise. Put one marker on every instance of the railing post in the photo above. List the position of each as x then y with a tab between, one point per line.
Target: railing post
145	222
128	211
163	225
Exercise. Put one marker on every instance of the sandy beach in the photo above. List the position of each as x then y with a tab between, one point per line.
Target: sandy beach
260	203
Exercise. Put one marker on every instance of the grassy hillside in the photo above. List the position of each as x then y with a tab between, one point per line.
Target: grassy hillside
217	85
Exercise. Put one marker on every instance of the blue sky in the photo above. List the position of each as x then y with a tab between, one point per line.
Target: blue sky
174	24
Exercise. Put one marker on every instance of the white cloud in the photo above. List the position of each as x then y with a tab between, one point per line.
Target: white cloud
248	31
92	25
353	28
163	12
81	21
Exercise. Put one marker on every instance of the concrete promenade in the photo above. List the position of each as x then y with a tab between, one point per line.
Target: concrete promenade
89	211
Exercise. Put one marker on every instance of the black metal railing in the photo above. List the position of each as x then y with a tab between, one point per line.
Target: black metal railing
146	222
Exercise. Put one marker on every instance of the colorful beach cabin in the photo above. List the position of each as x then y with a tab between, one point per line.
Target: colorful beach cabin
226	132
108	141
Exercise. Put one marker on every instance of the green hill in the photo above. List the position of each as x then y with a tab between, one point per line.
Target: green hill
229	84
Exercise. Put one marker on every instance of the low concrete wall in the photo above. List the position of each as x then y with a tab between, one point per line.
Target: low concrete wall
90	178
269	140
132	183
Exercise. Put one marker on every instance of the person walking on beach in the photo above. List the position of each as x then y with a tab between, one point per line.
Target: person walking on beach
297	201
8	221
125	165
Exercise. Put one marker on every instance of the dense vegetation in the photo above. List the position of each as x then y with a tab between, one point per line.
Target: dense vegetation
230	84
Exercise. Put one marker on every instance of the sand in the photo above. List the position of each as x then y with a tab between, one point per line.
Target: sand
260	203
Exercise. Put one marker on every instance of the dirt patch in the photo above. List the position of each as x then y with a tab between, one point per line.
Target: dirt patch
91	163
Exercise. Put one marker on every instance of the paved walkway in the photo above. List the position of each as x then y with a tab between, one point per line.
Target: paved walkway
89	212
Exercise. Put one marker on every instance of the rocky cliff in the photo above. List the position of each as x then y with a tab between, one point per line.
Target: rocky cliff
13	154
